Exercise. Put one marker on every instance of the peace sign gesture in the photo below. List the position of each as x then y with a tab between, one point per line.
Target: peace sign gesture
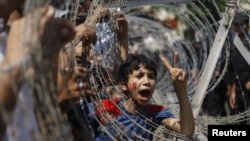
178	75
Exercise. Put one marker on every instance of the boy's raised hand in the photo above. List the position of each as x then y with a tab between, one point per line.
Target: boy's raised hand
178	75
186	125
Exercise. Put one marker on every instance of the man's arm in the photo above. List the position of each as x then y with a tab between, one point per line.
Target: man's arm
122	35
52	33
9	80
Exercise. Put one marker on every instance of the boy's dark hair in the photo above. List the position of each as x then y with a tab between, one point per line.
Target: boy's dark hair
133	63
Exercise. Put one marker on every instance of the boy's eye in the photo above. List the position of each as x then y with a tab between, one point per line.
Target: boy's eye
139	75
152	76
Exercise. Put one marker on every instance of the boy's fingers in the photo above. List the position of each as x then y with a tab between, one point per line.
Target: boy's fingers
165	62
183	75
176	60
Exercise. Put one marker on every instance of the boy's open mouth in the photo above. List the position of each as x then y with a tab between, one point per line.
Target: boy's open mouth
145	94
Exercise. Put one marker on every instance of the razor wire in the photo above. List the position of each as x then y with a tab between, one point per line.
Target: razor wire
207	30
155	34
99	53
141	31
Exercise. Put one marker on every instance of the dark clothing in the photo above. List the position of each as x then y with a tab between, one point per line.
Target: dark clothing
240	66
238	72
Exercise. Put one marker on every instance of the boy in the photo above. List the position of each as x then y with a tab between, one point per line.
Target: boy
129	117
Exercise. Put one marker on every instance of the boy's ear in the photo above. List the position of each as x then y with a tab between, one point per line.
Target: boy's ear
123	86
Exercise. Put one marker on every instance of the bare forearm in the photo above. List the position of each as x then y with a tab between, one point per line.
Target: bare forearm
186	115
123	47
9	86
8	89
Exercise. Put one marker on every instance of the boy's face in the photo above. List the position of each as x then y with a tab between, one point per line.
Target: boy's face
141	85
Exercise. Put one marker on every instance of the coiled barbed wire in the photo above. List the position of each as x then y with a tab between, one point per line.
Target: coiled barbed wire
206	42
